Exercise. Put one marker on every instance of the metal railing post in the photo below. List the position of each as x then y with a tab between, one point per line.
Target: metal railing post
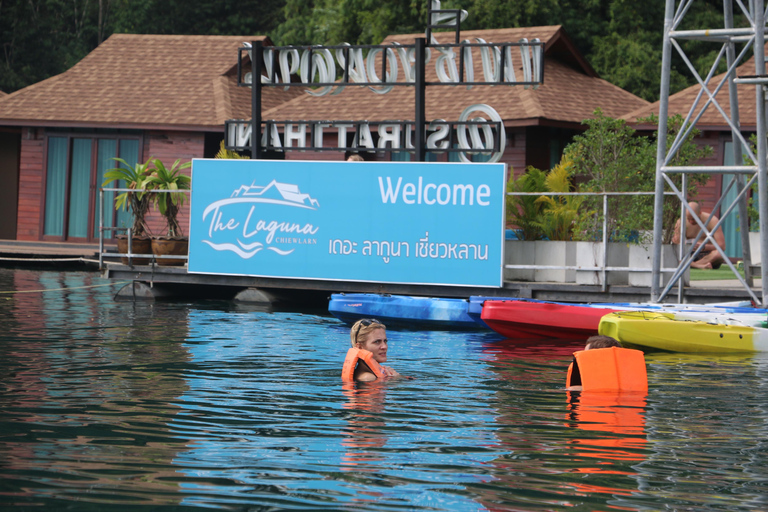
661	149
605	240
762	178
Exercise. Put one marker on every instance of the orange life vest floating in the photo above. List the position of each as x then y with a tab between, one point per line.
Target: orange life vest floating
350	363
608	369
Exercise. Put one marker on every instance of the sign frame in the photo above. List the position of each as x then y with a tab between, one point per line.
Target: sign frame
416	223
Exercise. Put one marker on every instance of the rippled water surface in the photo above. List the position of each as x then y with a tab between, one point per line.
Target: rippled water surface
172	405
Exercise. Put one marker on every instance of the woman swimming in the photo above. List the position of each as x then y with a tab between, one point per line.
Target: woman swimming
371	335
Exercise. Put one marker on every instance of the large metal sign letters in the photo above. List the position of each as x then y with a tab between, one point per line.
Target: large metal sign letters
325	70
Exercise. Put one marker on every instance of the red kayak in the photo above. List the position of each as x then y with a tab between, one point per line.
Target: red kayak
526	320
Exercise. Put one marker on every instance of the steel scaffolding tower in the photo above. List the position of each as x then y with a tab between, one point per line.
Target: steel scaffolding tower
751	39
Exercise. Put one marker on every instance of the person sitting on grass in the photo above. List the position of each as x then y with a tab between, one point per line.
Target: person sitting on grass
709	256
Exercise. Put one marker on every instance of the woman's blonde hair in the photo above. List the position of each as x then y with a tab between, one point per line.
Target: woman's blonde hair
362	327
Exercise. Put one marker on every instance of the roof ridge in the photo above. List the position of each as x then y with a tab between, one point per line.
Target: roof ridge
222	103
528	96
297	99
554	28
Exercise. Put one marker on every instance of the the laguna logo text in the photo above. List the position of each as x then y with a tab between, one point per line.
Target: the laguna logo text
233	217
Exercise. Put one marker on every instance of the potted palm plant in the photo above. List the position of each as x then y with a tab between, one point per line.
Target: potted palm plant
138	201
168	204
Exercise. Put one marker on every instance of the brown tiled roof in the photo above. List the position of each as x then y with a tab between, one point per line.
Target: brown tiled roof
681	103
570	93
140	81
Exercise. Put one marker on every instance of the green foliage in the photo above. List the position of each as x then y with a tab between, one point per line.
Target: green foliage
349	21
621	39
560	212
135	178
543	217
200	17
525	211
169	203
225	153
42	38
753	214
611	157
752	211
688	154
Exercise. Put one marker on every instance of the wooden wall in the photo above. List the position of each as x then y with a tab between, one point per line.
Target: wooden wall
31	176
10	145
169	146
710	192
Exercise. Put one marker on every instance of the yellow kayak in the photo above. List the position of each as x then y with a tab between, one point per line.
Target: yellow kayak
686	332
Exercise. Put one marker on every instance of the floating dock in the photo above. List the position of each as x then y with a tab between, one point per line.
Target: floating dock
155	281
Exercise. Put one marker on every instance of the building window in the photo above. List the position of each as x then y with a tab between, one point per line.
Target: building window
74	173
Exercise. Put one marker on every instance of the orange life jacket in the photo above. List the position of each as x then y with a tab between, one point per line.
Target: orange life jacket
608	369
350	363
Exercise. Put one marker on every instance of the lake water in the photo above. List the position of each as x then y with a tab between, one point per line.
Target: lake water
178	405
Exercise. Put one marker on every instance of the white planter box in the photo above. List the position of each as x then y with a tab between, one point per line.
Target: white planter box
590	254
641	256
555	253
518	252
754	248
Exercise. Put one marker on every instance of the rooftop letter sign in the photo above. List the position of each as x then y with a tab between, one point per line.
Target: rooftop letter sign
328	70
454	65
419	223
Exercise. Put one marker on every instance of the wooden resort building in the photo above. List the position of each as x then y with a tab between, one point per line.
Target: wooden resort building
142	96
168	97
134	97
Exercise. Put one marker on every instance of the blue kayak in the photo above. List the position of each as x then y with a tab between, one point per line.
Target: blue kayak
402	310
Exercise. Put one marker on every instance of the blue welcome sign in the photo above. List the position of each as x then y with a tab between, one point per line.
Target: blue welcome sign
390	222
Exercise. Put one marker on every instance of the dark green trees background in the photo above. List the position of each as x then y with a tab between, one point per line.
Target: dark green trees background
620	38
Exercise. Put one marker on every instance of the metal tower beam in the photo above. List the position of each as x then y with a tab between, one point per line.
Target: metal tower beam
753	38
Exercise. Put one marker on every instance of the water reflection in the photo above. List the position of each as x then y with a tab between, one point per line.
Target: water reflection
365	429
210	404
545	459
613	442
84	392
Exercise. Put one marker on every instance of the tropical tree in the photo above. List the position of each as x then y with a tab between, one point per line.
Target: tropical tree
169	203
524	211
138	199
611	157
560	213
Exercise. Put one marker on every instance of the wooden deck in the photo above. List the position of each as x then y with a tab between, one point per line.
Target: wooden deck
165	279
175	281
30	252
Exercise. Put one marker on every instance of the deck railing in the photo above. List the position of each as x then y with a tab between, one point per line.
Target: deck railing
130	254
603	268
683	252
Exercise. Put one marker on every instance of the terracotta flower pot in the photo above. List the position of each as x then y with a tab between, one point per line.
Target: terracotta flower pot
138	246
168	247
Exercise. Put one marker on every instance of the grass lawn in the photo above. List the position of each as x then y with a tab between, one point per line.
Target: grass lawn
724	272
